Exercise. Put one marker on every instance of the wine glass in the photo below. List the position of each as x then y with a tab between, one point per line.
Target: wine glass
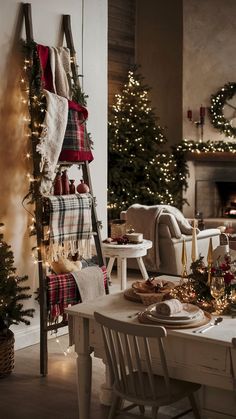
217	289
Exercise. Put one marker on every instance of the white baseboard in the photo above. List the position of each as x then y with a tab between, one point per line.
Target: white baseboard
31	336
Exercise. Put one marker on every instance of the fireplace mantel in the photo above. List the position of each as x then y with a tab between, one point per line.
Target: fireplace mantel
210	156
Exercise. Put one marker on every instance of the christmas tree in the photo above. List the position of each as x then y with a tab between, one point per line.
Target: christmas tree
137	169
11	291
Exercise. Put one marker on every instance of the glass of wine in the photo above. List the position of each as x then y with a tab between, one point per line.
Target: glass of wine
217	289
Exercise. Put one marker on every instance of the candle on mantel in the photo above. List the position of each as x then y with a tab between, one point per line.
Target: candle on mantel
189	114
194	253
202	111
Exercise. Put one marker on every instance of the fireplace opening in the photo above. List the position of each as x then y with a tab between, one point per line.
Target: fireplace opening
227	198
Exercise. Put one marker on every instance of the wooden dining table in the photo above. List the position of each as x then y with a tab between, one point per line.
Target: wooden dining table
208	359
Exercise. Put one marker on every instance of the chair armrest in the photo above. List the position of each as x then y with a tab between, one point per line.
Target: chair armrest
170	221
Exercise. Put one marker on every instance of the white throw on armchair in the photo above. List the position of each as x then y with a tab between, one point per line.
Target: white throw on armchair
167	228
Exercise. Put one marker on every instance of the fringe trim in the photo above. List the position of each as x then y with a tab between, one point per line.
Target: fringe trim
69	248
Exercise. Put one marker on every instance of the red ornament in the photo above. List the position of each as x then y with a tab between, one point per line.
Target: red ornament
82	187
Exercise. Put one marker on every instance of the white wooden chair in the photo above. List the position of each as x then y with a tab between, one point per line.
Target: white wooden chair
129	349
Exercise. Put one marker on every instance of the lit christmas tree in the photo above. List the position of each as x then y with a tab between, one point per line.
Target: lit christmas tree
11	291
137	170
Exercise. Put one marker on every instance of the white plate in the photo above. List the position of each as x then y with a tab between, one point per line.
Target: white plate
189	314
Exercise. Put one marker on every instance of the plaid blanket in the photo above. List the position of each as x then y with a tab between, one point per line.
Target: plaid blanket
77	143
62	291
70	225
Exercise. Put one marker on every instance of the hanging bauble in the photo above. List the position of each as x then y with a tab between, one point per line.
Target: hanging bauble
82	187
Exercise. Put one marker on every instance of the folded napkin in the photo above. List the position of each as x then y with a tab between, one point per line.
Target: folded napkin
169	307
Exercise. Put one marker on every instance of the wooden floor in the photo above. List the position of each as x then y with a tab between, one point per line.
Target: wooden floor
24	394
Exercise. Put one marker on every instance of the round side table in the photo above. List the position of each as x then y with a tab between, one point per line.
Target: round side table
122	252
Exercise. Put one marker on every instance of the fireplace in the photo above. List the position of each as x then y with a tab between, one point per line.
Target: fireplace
212	188
227	198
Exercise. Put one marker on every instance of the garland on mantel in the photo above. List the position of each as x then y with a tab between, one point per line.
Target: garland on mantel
216	111
205	147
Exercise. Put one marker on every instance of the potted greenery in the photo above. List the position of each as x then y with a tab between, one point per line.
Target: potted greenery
12	293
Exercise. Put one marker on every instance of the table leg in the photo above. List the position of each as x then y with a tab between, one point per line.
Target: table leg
122	272
84	368
142	268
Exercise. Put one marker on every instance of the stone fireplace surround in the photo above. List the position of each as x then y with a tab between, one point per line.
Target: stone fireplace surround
207	172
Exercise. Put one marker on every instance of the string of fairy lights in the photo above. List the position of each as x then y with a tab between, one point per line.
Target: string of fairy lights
32	96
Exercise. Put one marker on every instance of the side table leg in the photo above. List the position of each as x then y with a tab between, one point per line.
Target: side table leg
142	268
122	272
110	266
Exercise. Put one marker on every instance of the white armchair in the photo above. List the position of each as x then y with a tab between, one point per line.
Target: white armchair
167	228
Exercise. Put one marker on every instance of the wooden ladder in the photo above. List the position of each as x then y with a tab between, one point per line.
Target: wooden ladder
39	211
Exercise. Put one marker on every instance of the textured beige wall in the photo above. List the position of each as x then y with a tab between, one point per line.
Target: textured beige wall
159	52
209	57
187	51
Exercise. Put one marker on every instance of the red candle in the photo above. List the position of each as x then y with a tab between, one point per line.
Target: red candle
189	114
202	111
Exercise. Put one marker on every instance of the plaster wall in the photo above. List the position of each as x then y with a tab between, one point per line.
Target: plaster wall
209	57
89	27
159	53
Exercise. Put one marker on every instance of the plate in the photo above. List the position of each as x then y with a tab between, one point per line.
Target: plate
152	316
143	318
189	312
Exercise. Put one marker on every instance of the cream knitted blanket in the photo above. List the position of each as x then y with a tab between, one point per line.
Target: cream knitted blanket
51	140
61	68
145	219
90	282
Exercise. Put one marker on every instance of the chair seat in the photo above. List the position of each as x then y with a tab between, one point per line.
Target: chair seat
179	389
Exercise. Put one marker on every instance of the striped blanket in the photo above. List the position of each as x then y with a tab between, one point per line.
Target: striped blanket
70	226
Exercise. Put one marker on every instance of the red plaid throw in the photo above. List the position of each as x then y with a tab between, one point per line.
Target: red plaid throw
62	292
77	144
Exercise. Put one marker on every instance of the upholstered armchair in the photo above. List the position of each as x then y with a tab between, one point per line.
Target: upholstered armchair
167	228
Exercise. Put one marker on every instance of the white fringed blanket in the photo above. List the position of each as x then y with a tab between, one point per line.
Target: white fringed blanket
70	226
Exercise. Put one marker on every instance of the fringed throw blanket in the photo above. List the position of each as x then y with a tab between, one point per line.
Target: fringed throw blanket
62	292
51	139
91	282
145	219
70	226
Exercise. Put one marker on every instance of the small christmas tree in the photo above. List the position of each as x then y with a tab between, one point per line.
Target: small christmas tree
11	292
137	169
